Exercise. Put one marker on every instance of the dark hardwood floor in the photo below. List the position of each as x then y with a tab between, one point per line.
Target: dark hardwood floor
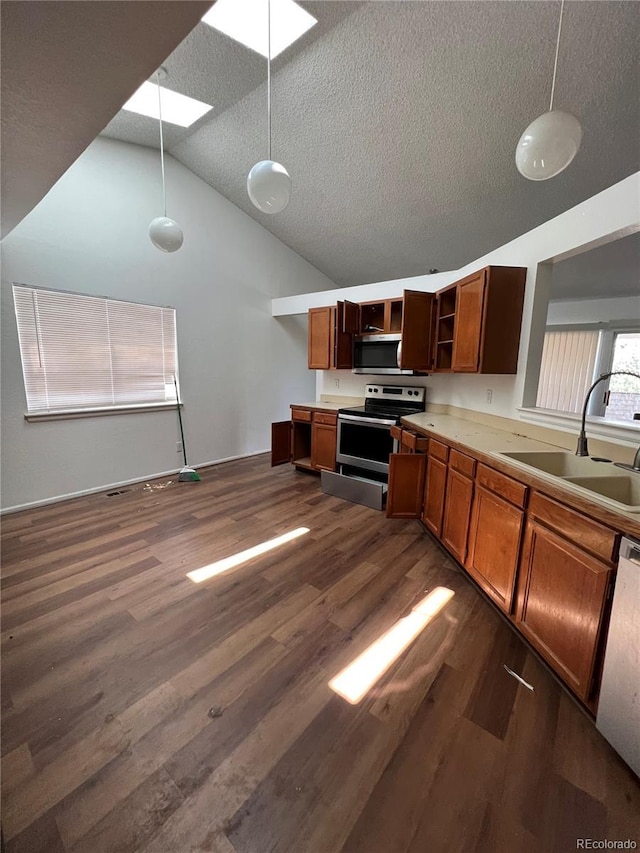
144	712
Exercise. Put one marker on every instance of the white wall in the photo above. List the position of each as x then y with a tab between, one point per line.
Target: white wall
239	368
615	211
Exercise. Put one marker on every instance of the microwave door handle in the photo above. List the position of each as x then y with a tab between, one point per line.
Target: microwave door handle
399	355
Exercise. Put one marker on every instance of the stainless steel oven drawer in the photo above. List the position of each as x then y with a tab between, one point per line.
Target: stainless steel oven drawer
359	490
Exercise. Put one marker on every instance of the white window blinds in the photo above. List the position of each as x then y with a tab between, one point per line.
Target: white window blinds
86	352
566	371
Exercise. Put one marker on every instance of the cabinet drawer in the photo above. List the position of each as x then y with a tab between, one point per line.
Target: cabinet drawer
396	433
325	418
417	443
590	534
464	464
438	449
509	489
301	415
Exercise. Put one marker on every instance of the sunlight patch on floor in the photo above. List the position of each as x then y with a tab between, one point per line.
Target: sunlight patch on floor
220	566
360	675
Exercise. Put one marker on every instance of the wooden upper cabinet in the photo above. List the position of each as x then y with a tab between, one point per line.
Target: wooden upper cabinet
374	318
319	339
443	328
502	319
472	326
349	314
330	340
468	324
416	352
477	322
344	326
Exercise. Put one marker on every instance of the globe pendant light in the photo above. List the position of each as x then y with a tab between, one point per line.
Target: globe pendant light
268	182
165	233
552	140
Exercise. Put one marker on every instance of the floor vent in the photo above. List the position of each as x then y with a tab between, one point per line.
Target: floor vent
119	492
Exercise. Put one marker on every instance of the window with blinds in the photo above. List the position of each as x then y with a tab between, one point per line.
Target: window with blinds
567	368
83	353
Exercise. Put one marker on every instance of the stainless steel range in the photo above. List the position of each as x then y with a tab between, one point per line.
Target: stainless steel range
364	443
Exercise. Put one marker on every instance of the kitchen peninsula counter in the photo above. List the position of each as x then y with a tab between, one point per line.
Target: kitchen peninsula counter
487	443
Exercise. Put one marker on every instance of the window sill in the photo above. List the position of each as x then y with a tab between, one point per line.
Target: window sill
621	431
97	412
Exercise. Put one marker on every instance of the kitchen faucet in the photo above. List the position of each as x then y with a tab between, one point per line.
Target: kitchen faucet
582	448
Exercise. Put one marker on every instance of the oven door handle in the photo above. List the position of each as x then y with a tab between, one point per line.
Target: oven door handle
381	422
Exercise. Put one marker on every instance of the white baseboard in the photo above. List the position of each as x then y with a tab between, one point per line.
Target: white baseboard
108	486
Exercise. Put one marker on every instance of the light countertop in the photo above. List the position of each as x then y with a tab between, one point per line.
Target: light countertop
486	443
319	406
330	405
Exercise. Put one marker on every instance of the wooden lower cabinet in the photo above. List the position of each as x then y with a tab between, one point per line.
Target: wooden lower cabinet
434	493
411	442
280	443
562	595
494	546
406	485
308	440
323	447
519	545
457	512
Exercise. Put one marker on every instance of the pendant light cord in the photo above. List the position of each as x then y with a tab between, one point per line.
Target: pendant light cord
269	73
555	64
164	188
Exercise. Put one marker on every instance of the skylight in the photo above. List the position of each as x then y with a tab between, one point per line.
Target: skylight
176	108
246	21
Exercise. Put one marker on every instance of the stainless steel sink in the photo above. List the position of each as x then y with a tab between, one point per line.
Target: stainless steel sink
559	463
609	485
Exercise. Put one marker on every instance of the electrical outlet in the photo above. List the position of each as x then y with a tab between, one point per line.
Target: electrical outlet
337	383
489	395
178	447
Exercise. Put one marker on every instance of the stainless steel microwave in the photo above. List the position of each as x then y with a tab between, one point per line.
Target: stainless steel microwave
379	354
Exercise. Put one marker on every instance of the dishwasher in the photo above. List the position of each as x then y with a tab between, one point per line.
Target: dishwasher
618	717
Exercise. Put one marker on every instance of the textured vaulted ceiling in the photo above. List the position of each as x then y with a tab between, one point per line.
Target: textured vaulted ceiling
397	120
398	123
67	67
